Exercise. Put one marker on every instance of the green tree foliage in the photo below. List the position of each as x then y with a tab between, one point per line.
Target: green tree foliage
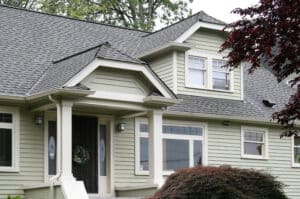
136	14
268	36
30	4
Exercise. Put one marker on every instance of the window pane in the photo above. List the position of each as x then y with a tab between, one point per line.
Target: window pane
254	136
253	148
144	160
196	77
143	128
196	62
220	81
6	117
5	147
297	154
182	130
52	147
218	65
297	141
197	153
175	154
102	150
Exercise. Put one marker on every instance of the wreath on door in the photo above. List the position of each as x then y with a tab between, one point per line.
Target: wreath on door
80	155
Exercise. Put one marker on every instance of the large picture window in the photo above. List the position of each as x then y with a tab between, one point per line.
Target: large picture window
254	143
182	146
296	151
8	140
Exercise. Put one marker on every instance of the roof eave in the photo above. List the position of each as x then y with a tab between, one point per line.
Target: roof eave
171	46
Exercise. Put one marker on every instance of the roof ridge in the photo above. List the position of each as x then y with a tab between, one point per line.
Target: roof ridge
78	53
66	17
193	15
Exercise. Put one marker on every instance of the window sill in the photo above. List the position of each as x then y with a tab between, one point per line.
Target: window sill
146	173
254	157
209	89
9	170
296	166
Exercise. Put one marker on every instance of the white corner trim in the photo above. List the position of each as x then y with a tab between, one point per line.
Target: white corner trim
195	27
117	65
265	156
15	127
175	72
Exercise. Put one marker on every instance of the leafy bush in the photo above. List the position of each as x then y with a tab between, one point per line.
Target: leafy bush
220	183
13	197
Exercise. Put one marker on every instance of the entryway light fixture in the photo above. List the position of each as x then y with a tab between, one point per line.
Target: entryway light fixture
121	127
39	119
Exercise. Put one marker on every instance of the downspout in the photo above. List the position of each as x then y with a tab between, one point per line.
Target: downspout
55	178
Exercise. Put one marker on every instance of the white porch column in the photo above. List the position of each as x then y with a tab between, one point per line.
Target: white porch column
155	147
66	139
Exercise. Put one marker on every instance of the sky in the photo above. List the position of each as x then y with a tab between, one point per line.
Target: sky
221	9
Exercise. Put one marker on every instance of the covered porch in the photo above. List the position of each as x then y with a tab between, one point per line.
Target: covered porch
84	118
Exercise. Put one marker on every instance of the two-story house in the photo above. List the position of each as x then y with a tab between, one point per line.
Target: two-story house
89	110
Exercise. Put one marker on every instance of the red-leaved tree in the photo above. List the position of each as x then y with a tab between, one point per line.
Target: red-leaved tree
269	35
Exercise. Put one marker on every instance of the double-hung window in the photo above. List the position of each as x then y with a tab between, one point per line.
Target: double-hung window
182	146
296	151
220	75
8	138
254	143
196	71
207	72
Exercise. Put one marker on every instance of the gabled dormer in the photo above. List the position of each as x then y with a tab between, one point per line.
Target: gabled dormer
190	62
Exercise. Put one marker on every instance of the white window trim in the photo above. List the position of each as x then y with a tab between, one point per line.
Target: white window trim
266	143
295	165
208	85
203	138
15	126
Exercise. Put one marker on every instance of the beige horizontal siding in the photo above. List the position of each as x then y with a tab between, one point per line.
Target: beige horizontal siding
31	158
224	148
163	67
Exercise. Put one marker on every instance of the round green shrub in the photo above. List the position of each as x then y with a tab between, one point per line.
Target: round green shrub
220	183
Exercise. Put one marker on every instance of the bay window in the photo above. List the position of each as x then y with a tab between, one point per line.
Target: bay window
296	151
254	143
182	146
8	140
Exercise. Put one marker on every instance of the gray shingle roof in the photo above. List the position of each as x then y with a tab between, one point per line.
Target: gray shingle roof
258	86
31	41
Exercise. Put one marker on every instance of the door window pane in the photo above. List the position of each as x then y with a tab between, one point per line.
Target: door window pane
5	147
143	128
175	154
102	149
144	160
52	147
197	153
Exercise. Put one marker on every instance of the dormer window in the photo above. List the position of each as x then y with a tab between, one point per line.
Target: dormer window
207	72
196	71
220	75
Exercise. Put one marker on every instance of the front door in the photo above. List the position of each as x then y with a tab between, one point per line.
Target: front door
85	151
